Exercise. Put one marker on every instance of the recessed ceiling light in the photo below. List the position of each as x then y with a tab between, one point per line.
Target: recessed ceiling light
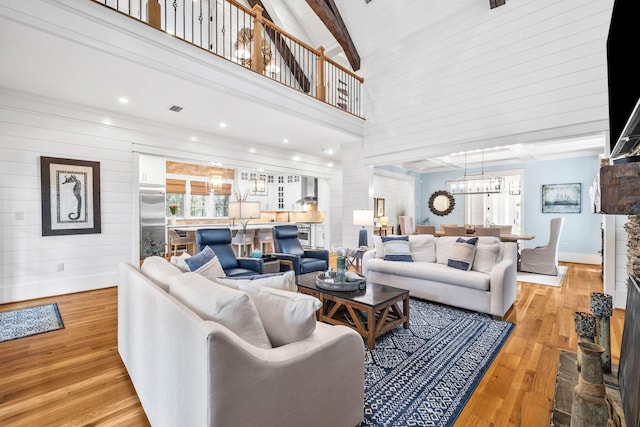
194	138
123	100
286	141
106	121
222	125
295	158
330	164
252	150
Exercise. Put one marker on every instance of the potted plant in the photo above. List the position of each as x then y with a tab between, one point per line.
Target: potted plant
174	210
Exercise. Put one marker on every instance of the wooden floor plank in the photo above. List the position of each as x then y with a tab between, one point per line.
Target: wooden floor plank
74	376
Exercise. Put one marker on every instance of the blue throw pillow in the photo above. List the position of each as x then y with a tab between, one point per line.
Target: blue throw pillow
462	253
396	248
203	257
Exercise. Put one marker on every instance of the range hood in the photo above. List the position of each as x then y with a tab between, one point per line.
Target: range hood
309	190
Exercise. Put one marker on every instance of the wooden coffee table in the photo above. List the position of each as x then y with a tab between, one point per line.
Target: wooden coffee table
371	312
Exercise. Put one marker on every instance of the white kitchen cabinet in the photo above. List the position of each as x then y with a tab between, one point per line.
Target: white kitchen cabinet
152	170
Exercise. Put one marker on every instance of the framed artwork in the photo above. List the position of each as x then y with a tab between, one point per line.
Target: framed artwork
561	198
70	192
378	207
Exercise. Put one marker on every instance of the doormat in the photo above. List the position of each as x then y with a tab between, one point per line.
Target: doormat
30	321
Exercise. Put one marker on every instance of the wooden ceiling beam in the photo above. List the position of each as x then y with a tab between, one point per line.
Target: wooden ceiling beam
328	13
284	50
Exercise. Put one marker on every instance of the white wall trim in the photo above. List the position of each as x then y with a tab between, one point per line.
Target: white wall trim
47	288
580	258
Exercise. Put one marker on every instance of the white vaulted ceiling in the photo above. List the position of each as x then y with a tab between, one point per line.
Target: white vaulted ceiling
50	58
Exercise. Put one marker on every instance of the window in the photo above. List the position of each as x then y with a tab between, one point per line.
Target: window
175	199
220	205
195	199
176	190
498	208
198	199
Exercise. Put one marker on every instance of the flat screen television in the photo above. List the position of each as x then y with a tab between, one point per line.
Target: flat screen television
623	81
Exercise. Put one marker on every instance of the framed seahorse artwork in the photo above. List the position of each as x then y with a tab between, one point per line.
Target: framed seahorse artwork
70	191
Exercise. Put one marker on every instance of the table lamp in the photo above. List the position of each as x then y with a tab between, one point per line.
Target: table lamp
244	211
384	220
364	218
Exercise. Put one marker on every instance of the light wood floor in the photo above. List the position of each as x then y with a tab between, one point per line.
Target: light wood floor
74	377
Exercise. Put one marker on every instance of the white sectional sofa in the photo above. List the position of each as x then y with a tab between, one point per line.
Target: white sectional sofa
193	372
489	287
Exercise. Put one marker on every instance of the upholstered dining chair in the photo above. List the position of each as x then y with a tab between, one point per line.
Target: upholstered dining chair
406	225
544	259
504	229
426	229
288	247
219	240
458	230
487	231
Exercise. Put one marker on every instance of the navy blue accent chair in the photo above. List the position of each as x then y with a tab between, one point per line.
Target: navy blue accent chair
287	246
219	240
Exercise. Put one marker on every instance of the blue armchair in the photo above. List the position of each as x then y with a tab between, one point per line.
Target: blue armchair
219	240
288	247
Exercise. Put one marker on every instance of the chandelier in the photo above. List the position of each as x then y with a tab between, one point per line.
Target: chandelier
475	183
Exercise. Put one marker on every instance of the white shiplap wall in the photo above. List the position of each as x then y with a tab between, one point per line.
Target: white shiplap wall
396	190
29	262
479	75
357	192
33	126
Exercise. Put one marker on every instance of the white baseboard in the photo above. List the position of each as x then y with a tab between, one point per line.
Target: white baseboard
580	258
41	289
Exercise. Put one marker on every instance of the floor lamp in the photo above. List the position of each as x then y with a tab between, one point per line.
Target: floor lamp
364	218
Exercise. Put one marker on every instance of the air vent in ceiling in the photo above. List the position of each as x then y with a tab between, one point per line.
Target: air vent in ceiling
175	108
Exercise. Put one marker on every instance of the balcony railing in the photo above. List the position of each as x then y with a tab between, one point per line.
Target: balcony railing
242	35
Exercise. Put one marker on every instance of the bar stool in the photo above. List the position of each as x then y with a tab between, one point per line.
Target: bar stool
265	238
176	240
241	240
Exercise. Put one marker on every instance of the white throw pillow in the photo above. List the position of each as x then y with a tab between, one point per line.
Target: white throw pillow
423	247
212	270
486	257
285	281
229	307
178	261
462	253
160	271
287	316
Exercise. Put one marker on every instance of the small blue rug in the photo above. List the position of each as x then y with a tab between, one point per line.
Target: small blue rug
424	375
29	321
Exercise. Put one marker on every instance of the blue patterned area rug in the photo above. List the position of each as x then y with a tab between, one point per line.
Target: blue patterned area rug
29	321
424	375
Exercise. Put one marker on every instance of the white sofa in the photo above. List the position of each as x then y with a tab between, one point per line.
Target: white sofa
489	287
193	372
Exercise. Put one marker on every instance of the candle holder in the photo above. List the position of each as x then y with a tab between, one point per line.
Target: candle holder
602	308
585	324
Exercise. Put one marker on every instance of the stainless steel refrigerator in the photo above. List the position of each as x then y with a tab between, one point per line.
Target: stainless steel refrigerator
152	221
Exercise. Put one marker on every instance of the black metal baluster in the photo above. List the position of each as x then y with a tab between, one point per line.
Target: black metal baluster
224	42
